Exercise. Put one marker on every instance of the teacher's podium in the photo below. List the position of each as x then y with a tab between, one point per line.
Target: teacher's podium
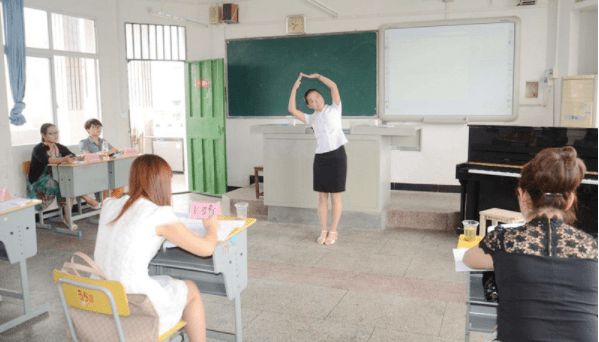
288	159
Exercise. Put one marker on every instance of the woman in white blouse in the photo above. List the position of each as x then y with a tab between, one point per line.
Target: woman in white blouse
330	160
132	229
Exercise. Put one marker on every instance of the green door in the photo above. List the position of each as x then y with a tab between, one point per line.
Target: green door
206	149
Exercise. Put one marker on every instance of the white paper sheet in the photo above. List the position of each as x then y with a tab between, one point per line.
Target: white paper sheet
224	227
458	257
13	202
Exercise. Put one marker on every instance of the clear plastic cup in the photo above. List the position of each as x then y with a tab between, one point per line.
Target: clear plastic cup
241	210
469	229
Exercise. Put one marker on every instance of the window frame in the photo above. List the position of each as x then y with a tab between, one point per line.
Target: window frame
160	44
51	53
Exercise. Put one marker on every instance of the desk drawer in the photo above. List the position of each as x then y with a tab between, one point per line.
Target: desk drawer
482	318
209	283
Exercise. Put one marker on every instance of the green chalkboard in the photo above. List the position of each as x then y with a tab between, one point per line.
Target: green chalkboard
260	72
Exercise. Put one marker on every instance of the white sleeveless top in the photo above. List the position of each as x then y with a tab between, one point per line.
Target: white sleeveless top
328	129
125	248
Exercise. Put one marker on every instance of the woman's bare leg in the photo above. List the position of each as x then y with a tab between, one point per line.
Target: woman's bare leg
337	210
323	208
194	314
90	200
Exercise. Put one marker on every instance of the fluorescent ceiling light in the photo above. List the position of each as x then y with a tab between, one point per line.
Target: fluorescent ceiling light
175	17
323	8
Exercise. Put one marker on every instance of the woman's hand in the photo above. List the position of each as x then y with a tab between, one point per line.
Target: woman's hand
211	225
298	82
67	160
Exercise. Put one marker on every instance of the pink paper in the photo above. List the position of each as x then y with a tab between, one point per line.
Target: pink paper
129	151
4	194
202	210
91	157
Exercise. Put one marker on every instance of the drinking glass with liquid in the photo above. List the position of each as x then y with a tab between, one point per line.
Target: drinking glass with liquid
470	229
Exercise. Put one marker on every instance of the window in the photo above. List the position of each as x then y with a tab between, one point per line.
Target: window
155	42
62	84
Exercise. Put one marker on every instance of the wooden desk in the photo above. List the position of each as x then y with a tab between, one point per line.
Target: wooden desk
222	274
18	242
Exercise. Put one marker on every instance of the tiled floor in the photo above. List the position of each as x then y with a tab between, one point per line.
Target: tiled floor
393	285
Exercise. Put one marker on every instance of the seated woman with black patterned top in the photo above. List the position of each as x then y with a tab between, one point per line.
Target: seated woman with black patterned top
40	183
546	270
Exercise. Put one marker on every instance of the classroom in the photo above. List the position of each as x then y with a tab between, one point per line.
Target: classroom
329	170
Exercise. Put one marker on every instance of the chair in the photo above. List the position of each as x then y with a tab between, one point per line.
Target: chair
103	297
257	170
496	215
41	215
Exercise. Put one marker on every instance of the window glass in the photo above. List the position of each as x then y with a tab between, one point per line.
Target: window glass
38	102
36	28
76	85
73	34
70	94
155	42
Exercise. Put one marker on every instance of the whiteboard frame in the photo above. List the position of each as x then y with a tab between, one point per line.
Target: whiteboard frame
450	118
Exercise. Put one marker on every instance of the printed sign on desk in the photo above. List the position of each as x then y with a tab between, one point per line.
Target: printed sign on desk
129	151
91	157
202	210
4	194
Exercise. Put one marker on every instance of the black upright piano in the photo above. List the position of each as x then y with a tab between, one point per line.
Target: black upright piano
496	155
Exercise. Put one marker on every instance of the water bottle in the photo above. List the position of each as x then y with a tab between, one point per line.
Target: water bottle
105	150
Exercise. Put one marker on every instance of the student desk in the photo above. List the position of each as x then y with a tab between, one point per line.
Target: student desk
222	274
84	178
481	315
18	242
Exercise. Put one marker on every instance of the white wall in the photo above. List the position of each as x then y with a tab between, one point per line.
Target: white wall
443	146
587	42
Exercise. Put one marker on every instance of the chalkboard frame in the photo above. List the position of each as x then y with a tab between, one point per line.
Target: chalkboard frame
376	114
447	118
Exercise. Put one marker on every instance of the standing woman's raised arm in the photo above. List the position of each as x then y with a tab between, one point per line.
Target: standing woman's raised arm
292	107
329	83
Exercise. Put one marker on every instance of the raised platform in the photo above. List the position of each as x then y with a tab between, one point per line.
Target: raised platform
407	209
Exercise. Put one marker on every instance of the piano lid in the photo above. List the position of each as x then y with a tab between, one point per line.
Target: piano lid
516	145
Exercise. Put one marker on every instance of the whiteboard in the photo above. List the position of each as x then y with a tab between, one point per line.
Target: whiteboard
449	71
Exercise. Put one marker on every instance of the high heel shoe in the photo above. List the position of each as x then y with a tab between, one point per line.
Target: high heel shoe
331	238
322	238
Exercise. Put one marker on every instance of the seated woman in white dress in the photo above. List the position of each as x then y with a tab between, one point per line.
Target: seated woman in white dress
132	229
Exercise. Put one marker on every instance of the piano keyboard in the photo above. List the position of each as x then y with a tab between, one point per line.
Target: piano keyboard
517	175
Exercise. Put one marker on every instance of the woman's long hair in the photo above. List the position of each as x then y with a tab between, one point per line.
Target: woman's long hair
150	177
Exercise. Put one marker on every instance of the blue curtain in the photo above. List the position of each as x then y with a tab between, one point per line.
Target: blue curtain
14	31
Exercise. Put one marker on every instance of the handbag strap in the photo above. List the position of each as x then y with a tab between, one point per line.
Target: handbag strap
74	267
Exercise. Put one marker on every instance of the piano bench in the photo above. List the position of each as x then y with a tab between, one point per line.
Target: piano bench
496	215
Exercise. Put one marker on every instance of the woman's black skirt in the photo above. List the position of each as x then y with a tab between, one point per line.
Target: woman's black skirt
330	171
